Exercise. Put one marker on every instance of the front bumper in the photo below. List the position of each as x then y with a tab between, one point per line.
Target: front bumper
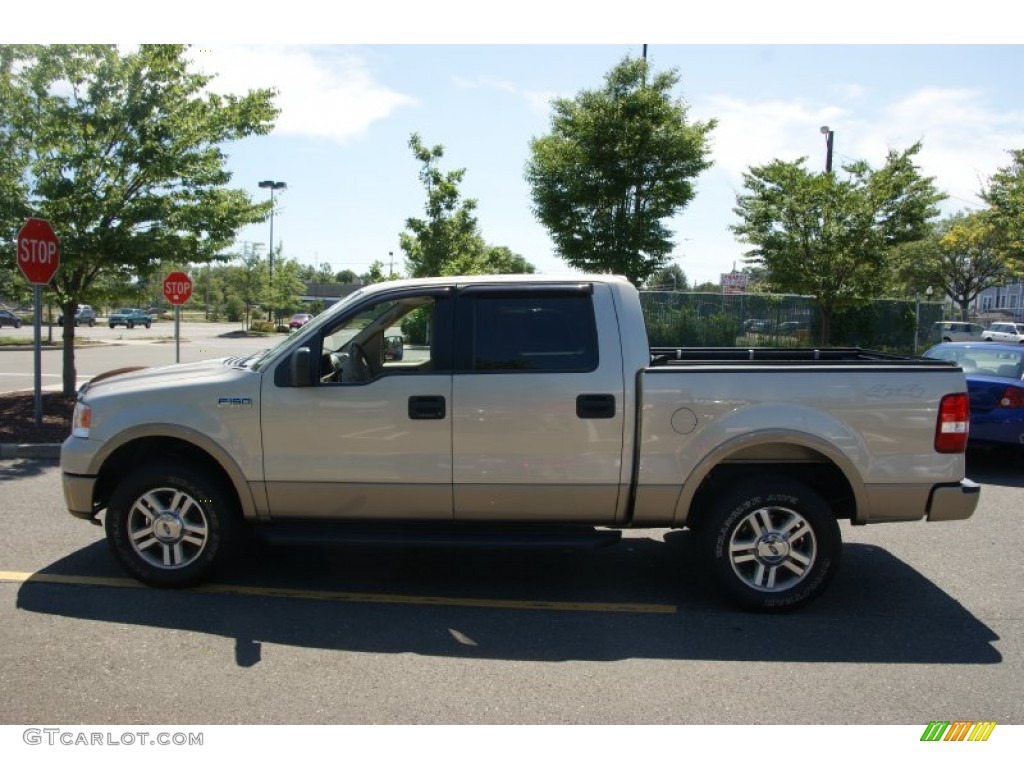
953	502
78	495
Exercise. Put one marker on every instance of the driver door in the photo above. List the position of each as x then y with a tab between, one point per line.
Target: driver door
373	444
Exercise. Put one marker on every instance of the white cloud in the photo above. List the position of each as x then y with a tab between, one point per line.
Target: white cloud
321	93
754	133
964	141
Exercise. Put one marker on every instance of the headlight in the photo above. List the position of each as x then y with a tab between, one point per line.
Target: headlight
81	421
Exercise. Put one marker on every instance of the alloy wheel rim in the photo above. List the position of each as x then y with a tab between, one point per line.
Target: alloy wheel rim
168	528
772	549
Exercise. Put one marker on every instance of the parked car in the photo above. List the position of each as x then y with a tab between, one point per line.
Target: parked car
129	317
84	315
957	331
299	319
994	374
9	318
1013	332
757	326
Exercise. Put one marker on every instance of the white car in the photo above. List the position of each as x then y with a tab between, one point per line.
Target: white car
1005	332
957	331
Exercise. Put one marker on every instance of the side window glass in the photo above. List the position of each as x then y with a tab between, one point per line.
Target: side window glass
394	336
534	333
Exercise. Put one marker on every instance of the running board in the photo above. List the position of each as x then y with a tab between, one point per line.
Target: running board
445	535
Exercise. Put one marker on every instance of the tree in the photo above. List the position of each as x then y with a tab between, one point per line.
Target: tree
618	162
828	237
346	277
1005	195
448	241
120	151
962	257
283	294
670	278
449	233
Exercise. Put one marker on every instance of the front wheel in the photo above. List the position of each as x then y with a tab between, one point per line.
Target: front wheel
773	544
170	526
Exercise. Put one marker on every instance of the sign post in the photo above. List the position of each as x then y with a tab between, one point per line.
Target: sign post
38	260
177	290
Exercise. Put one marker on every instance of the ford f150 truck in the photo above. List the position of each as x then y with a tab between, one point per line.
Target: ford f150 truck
522	410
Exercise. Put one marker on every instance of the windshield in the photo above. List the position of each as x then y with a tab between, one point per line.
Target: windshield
263	357
986	361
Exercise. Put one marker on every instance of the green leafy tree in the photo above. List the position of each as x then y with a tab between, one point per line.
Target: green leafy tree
1005	196
448	240
345	277
670	278
964	255
283	295
376	273
449	233
616	165
832	238
248	282
121	152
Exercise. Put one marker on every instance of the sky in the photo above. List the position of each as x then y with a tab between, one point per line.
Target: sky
479	80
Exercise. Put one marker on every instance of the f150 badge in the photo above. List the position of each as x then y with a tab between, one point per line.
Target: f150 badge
234	402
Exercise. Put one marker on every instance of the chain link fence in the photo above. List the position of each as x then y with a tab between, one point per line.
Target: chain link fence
775	320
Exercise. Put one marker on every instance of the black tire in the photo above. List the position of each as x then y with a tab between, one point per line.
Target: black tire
112	325
130	324
772	543
172	526
147	326
17	323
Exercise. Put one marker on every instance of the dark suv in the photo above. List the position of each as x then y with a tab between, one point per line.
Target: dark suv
84	315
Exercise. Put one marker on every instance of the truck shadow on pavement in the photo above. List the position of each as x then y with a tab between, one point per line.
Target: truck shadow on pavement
879	609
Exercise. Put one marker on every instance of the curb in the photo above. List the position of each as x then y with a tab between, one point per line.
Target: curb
30	450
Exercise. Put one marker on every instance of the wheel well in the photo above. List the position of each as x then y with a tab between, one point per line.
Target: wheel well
822	476
137	453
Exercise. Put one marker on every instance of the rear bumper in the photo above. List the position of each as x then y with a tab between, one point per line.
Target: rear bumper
953	502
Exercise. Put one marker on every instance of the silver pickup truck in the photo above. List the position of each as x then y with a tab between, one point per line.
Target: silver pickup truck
521	411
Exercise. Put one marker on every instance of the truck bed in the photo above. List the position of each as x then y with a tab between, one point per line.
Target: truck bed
841	356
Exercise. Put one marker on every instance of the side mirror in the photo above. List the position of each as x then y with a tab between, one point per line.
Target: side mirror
302	373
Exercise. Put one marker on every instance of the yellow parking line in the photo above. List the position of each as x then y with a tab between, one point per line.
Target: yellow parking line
348	597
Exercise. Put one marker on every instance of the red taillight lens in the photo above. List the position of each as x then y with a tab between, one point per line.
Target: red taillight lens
1013	397
954	420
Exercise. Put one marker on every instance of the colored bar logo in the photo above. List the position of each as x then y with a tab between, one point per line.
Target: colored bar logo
958	730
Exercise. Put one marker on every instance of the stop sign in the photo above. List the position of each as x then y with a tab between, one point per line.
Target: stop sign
38	251
177	287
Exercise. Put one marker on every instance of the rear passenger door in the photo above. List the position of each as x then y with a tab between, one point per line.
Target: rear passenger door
537	404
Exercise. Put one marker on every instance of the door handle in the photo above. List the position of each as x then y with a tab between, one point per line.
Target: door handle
427	407
595	407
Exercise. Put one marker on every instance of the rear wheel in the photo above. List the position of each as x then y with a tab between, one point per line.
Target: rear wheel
171	526
773	544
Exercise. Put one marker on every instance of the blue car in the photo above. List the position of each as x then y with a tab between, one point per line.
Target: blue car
994	375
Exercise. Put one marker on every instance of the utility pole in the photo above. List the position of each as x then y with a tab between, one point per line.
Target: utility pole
829	138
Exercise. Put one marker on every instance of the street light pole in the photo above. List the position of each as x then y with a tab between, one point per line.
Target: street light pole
829	138
272	186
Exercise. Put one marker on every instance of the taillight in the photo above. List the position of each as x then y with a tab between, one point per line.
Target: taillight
954	420
1013	397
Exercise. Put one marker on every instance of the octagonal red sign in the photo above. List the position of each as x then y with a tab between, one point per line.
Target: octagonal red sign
177	287
38	251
